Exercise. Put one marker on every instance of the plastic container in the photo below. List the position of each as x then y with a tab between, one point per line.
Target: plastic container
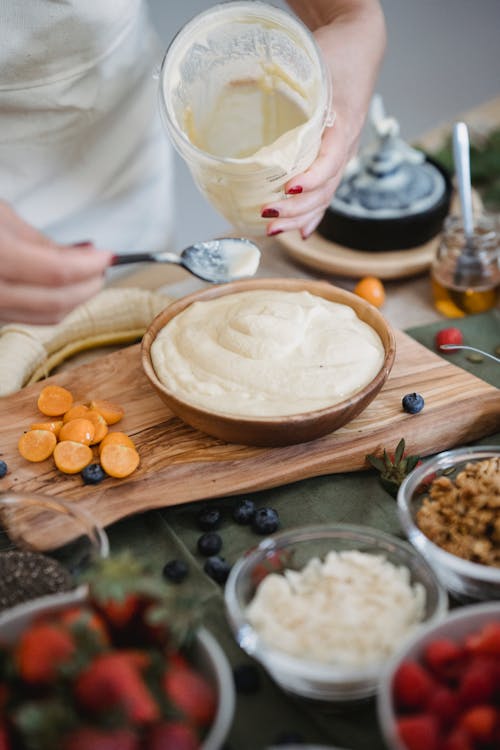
463	579
245	96
307	678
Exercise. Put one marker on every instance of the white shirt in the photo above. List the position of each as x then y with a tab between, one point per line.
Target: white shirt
83	155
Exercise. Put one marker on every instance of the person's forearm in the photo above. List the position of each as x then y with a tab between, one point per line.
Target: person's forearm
352	36
316	13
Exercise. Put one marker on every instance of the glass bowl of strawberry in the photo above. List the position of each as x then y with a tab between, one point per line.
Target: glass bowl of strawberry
322	607
110	669
448	508
442	690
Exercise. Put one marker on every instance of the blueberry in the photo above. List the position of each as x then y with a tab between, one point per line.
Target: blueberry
209	544
265	521
175	570
244	512
217	568
413	403
3	469
209	519
246	679
93	474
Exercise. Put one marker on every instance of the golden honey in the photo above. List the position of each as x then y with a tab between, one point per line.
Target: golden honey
467	281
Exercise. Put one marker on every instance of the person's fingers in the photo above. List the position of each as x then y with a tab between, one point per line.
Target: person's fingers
300	205
302	223
308	227
311	191
329	162
53	266
25	303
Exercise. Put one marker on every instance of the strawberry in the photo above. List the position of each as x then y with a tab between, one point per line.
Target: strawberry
88	618
412	685
486	642
189	691
478	684
41	650
457	740
443	656
419	732
122	589
448	336
274	562
479	722
91	738
119	613
114	680
172	735
444	705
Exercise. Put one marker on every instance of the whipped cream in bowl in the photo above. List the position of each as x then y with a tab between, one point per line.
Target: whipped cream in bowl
268	361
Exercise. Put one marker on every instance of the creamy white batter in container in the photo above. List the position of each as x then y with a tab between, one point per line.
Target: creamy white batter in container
266	353
245	97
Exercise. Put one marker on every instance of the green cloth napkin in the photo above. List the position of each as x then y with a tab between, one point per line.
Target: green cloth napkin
481	331
358	498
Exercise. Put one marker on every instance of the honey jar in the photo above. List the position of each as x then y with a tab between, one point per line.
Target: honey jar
465	274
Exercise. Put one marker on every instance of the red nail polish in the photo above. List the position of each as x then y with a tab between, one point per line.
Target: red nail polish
295	190
274	232
83	243
270	213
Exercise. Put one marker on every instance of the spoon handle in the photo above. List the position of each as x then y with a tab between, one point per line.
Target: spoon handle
469	348
462	168
119	260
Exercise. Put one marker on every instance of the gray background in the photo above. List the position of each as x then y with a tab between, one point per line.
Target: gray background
443	58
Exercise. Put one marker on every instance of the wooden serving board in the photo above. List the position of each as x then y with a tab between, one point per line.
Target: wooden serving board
180	464
321	254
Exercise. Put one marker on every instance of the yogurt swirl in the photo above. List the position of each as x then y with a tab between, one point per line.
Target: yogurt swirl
266	353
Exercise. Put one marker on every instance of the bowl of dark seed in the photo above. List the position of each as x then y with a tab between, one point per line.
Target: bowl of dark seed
36	568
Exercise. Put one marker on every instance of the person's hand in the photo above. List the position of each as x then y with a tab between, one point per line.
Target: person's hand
310	193
351	36
40	281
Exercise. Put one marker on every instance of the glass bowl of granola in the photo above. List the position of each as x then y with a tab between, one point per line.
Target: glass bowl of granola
322	607
449	507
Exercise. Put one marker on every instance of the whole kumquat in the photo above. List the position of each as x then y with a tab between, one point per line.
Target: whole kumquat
371	289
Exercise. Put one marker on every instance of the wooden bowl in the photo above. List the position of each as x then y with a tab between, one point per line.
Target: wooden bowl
281	430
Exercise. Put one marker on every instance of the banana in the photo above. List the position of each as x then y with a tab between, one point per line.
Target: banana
114	316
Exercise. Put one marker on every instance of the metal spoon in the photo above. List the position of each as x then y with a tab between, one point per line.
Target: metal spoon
450	347
468	267
218	261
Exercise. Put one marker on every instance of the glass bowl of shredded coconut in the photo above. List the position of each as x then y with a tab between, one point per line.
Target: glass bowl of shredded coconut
449	508
323	607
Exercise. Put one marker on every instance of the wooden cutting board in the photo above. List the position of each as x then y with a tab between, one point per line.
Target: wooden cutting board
180	464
